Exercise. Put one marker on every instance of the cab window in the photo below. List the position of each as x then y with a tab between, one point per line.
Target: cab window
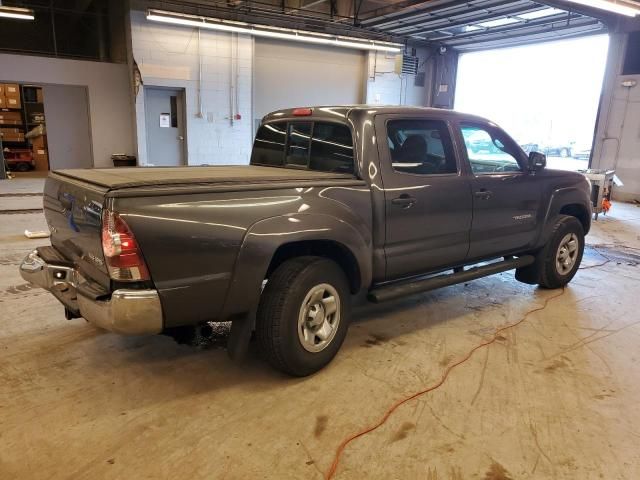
421	147
489	151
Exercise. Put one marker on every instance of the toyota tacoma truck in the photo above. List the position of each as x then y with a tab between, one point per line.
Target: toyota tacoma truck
336	201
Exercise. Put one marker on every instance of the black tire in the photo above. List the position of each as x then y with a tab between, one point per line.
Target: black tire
23	167
281	307
550	275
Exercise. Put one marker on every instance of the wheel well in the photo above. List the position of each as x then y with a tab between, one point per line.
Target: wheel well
578	211
320	248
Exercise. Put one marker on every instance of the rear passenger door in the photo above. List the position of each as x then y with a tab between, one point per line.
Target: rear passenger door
427	198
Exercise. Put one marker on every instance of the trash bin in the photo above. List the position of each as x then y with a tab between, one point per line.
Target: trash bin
122	160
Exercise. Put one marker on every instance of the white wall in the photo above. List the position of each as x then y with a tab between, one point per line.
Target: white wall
109	97
167	56
617	140
385	87
289	74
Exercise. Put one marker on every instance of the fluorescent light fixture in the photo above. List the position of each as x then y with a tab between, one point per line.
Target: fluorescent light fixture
611	6
498	23
271	32
16	13
545	12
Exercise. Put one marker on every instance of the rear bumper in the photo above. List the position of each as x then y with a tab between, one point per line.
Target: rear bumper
128	311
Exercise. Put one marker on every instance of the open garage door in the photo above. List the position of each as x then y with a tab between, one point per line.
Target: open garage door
546	96
289	75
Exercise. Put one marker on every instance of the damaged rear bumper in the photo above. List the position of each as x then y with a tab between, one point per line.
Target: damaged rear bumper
127	311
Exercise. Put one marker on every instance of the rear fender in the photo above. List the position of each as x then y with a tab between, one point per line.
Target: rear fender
266	236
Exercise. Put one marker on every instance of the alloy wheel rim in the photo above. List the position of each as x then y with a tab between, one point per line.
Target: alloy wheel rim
319	318
567	253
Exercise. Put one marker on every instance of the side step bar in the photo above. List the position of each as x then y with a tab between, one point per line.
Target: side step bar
397	290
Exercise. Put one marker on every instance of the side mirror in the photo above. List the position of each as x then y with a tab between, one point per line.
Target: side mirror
537	161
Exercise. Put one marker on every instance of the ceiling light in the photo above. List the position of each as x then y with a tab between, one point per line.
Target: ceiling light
498	23
16	13
271	32
545	12
611	6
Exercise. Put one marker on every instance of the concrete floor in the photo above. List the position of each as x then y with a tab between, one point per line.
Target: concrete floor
554	398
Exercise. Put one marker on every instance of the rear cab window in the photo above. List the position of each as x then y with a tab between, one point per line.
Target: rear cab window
313	145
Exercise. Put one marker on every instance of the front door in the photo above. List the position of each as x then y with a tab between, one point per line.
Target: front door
427	199
506	198
164	122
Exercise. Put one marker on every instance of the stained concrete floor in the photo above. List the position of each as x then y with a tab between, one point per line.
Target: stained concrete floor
554	398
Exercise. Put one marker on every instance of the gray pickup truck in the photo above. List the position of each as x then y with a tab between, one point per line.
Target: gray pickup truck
337	201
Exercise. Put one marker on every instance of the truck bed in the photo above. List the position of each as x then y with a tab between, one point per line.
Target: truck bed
119	178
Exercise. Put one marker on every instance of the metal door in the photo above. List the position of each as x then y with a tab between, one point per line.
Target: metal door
164	123
66	110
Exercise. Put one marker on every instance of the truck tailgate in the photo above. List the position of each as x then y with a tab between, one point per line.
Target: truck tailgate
73	210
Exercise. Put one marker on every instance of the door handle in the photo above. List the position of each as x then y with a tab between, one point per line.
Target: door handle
180	137
483	194
404	201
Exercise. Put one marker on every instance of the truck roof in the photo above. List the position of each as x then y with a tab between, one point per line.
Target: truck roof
325	112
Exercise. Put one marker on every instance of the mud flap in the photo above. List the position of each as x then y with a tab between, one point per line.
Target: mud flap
531	273
241	328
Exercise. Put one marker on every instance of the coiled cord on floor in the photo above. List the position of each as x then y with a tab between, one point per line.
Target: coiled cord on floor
343	445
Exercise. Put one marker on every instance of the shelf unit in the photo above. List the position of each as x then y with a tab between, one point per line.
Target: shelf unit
27	108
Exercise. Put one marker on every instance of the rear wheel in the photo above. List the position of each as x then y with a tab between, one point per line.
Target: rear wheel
303	315
23	167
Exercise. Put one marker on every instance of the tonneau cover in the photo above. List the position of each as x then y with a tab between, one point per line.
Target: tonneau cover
116	178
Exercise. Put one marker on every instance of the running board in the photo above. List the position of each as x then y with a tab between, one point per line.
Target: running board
397	290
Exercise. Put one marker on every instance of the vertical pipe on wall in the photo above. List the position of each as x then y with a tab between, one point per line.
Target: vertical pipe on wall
231	80
200	113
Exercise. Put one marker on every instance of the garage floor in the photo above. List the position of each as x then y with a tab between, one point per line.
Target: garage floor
554	398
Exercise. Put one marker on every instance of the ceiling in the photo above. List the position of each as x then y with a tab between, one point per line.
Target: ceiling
482	24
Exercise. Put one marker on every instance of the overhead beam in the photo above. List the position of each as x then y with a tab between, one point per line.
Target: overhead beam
541	22
419	9
602	15
429	26
436	16
498	36
540	37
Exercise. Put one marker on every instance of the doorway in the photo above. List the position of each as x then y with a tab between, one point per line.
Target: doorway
66	109
165	126
545	95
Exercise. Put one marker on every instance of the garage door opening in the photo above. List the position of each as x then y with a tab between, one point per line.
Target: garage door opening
545	95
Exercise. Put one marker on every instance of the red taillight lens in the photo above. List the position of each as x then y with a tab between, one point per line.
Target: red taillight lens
121	251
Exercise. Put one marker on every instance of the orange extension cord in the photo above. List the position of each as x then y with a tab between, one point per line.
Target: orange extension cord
343	445
443	378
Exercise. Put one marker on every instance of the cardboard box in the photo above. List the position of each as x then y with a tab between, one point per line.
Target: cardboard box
12	137
39	96
10	118
12	102
1	89
3	103
12	90
41	159
39	143
10	130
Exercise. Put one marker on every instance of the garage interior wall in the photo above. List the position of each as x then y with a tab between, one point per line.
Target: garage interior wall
290	74
169	56
385	86
108	90
617	140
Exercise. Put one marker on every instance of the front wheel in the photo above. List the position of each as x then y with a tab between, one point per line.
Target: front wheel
303	315
563	253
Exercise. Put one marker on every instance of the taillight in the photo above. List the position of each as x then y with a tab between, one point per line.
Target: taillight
121	251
